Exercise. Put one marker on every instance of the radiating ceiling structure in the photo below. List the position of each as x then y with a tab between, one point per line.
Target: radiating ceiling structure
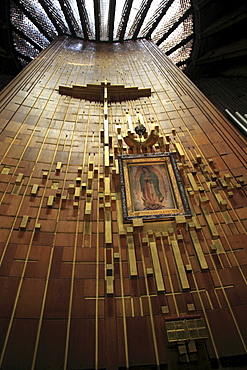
169	23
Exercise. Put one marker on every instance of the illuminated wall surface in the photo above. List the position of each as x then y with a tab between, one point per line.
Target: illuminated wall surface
79	288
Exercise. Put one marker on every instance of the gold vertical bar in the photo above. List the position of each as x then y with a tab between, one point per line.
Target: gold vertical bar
180	265
24	222
108	228
59	166
132	256
193	182
19	178
198	249
50	201
157	268
210	223
34	189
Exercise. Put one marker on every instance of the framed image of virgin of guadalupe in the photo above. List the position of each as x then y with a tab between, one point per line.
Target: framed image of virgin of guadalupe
151	187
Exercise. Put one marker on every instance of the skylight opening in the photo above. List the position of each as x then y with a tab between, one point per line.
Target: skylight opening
182	54
37	12
175	11
74	16
155	4
22	23
58	14
104	7
184	30
24	47
41	25
118	16
89	5
133	13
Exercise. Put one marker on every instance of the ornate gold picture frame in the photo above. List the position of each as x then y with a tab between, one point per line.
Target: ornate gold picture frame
151	187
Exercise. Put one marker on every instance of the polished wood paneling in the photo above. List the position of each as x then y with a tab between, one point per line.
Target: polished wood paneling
79	289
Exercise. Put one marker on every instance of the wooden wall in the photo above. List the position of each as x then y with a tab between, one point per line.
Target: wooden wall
79	288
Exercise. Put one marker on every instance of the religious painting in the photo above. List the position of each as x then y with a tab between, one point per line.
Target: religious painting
151	187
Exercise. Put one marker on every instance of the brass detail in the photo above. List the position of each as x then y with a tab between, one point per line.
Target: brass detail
198	249
50	201
16	189
109	269
180	265
191	307
35	189
88	210
19	178
5	171
180	221
165	309
108	228
24	222
71	188
116	256
210	223
189	329
188	268
133	142
137	224
59	166
223	183
109	285
77	192
179	150
193	182
192	346
132	256
240	180
157	269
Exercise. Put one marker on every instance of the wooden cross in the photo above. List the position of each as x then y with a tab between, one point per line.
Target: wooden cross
107	93
100	92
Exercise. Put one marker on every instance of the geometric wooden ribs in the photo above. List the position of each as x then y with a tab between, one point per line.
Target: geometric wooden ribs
95	92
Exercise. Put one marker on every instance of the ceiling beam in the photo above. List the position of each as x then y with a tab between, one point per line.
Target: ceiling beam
25	37
97	19
124	19
179	45
50	16
66	15
229	51
227	20
174	26
158	19
33	20
141	20
9	64
183	62
84	18
27	58
111	17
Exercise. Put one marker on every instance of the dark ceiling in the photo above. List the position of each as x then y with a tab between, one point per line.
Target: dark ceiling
220	47
203	37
